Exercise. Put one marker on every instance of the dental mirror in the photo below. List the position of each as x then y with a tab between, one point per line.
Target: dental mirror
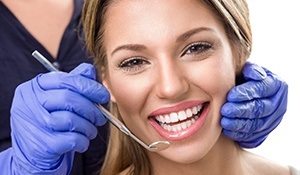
154	147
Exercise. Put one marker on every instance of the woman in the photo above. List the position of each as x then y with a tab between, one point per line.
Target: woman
46	132
175	61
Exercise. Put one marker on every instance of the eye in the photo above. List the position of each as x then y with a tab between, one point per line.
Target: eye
196	48
133	64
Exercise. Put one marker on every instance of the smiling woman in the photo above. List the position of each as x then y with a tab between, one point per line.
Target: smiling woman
176	62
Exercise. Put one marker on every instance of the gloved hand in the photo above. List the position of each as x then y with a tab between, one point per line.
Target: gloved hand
254	108
52	116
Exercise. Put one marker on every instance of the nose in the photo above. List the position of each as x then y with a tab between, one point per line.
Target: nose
171	80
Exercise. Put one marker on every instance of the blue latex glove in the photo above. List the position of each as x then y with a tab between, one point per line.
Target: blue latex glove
52	116
254	108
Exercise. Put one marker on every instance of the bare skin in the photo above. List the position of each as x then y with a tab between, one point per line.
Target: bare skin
45	20
165	66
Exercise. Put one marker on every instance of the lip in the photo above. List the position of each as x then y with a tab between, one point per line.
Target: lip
185	133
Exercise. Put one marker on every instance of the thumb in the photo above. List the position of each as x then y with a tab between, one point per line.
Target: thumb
85	69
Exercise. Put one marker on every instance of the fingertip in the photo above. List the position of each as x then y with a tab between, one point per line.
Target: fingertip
233	94
229	124
249	144
225	122
228	134
105	97
81	145
93	134
242	92
228	109
245	145
252	71
101	120
86	70
234	135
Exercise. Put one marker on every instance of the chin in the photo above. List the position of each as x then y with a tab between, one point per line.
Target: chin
194	149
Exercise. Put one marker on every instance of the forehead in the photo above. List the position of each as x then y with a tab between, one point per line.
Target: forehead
137	19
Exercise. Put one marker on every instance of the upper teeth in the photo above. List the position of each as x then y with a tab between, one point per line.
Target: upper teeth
178	116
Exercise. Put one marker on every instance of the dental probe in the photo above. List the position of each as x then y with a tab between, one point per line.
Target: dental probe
154	147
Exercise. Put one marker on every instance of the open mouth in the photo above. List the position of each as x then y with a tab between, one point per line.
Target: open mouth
177	121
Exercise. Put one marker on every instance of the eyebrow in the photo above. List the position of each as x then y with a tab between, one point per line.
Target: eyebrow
132	47
181	38
192	32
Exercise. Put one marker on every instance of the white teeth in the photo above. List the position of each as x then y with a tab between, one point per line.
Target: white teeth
174	117
167	119
182	115
188	123
195	110
183	125
189	113
199	108
178	116
179	126
162	119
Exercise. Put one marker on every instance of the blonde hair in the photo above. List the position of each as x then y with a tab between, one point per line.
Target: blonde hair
123	153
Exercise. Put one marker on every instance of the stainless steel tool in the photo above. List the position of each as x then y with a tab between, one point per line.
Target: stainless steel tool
154	147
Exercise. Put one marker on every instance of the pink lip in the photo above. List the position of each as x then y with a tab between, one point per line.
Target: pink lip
183	134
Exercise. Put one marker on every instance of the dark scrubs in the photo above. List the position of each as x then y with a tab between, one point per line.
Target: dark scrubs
17	66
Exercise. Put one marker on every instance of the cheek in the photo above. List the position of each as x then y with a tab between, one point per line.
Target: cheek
224	78
129	93
215	76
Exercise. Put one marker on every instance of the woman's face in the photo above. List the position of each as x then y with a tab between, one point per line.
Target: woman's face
170	66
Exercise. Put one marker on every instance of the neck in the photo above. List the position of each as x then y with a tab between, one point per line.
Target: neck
45	20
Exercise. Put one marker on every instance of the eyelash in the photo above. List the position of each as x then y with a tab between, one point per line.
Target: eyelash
132	64
196	48
135	63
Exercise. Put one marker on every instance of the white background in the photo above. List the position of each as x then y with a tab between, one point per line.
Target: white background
276	46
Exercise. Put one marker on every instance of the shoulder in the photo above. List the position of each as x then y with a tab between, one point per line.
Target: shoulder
261	165
294	171
78	6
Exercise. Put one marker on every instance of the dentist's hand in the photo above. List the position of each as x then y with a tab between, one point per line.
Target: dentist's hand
254	108
52	116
